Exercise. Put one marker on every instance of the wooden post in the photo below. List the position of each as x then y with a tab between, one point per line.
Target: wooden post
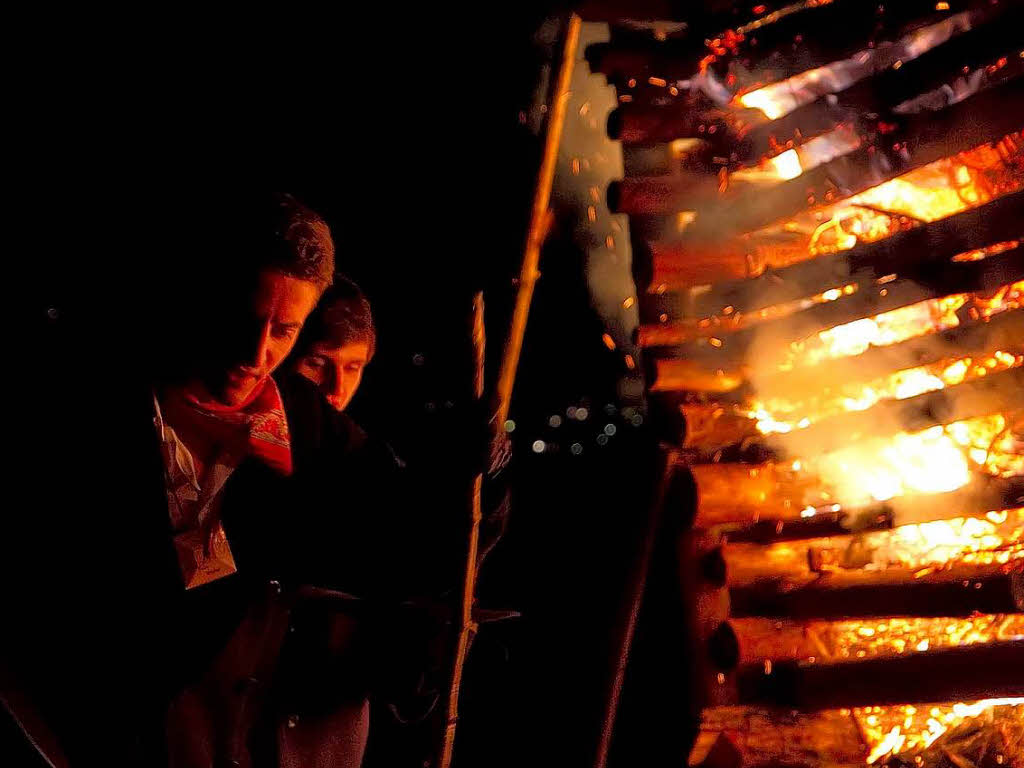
539	223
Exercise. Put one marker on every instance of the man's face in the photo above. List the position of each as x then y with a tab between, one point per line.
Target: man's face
261	333
337	371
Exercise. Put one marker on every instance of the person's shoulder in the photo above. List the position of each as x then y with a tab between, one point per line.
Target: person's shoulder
316	426
368	447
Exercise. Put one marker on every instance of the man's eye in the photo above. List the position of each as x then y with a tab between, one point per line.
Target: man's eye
283	331
354	367
315	362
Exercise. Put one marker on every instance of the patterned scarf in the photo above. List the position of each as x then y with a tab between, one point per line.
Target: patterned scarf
263	418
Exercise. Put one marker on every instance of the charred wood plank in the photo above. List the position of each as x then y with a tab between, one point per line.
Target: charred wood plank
777	737
916	141
957	591
721	349
929	244
995	33
959	674
795	38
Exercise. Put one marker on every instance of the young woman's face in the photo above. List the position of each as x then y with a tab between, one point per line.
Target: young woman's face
337	371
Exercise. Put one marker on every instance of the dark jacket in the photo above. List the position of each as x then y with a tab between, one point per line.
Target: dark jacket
103	637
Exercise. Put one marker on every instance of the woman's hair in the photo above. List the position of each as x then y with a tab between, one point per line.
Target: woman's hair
342	317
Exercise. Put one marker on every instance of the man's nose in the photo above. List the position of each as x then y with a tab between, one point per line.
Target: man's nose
337	392
259	349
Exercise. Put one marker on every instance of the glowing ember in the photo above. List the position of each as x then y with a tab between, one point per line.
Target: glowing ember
965	540
884	637
904	729
980	254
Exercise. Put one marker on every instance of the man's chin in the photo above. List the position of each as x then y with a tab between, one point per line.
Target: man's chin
236	390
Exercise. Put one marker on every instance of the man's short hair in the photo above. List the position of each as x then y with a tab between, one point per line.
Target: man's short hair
342	317
231	235
301	245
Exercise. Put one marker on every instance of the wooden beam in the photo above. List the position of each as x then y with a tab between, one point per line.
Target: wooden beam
851	594
914	252
720	348
992	670
915	141
1004	331
777	737
994	33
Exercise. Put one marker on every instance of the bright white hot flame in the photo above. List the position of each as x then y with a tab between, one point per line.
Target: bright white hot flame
787	165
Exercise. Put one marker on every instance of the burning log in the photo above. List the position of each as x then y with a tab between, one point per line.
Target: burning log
662	194
763	504
993	34
959	674
691	375
991	394
819	33
835	520
920	248
848	594
689	118
679	265
721	349
744	493
919	140
774	737
730	349
1003	331
708	427
782	639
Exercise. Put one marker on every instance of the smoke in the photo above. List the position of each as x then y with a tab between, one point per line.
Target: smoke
827	397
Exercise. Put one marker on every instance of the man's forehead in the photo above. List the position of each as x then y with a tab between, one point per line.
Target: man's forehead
352	350
284	294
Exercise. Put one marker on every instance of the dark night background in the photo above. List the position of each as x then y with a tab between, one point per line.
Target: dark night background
403	128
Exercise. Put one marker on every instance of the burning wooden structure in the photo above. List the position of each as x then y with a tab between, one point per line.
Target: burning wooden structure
826	204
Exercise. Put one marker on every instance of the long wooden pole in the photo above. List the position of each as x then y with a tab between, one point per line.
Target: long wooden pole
467	626
539	220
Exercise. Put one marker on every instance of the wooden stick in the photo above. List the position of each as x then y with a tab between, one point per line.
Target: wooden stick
539	218
633	600
539	221
467	627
